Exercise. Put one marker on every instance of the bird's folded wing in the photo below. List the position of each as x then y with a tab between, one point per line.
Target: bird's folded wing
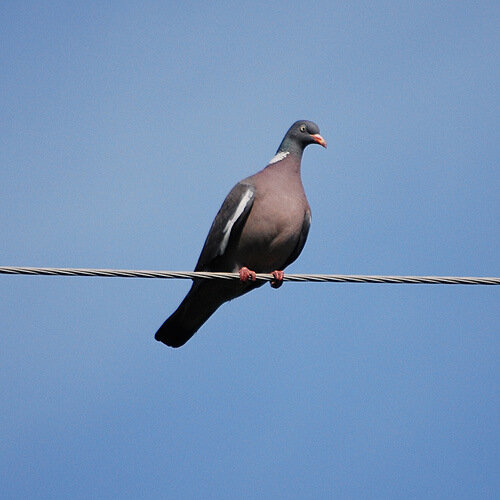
302	237
227	224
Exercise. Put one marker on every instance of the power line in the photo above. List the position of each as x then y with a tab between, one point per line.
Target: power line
331	278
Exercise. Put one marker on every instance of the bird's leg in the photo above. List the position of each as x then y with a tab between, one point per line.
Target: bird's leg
278	279
246	274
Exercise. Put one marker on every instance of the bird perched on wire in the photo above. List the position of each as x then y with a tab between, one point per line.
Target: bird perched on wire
261	227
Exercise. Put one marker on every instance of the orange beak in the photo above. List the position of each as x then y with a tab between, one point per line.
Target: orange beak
319	140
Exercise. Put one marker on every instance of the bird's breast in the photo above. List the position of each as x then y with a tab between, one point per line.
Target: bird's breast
271	231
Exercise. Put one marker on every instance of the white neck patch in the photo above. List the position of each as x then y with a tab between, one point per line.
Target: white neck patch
278	157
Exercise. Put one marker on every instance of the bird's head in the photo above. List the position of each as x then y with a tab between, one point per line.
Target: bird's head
299	135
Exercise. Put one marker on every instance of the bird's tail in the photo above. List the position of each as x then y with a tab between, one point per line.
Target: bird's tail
198	305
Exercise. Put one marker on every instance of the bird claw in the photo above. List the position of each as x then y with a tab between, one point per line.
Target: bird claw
278	279
246	274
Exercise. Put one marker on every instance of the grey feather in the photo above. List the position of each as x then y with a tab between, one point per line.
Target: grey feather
302	240
220	233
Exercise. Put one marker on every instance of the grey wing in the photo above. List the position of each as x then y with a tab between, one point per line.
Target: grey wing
227	224
306	224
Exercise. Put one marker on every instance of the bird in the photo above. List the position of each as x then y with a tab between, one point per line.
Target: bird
261	227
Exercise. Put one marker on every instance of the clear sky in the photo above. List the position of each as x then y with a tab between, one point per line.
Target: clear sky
124	125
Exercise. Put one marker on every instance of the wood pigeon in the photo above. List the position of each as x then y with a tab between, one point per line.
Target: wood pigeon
261	227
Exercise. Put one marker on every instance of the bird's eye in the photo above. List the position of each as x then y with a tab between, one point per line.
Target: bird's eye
302	128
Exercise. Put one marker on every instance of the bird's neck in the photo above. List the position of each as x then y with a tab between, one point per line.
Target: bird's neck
290	146
285	161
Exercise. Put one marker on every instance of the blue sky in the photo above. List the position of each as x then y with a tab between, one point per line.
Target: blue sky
124	125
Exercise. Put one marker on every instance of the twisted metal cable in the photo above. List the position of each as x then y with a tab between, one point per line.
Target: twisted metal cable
331	278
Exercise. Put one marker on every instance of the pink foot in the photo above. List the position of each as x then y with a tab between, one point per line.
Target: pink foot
246	274
278	279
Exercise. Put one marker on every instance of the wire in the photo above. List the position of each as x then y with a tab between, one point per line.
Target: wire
332	278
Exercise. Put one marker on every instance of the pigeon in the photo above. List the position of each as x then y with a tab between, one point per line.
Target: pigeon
261	227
